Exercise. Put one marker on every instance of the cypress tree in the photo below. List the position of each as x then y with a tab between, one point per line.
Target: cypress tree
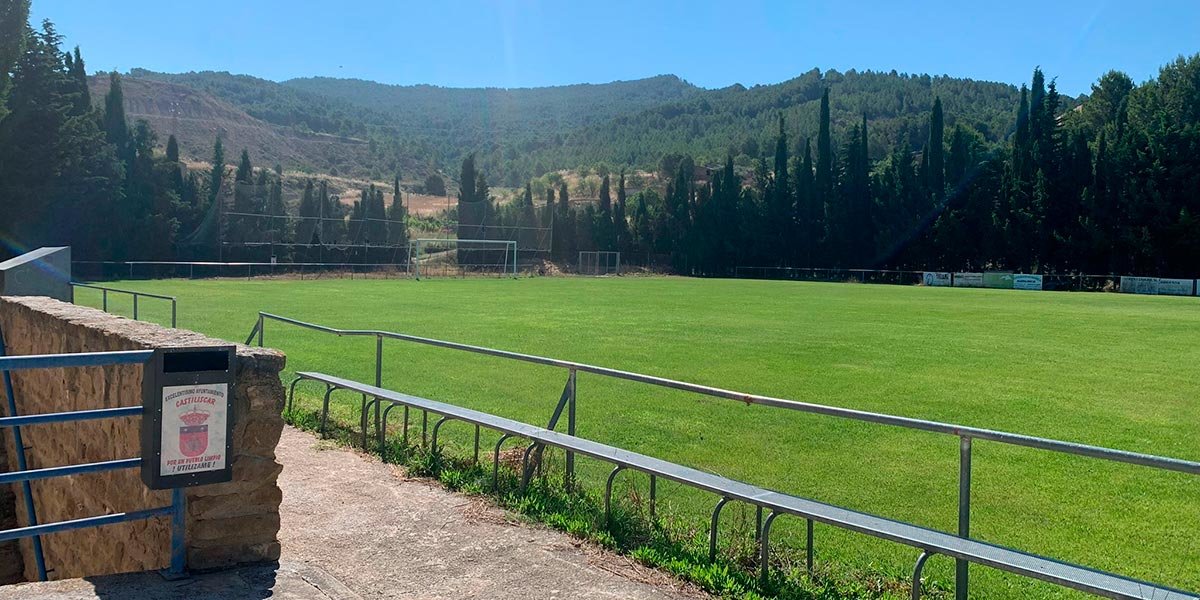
172	149
937	158
116	127
824	175
781	198
605	232
548	211
620	220
217	173
14	28
78	74
245	171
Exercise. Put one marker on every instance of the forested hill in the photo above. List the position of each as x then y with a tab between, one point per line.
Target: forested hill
421	109
742	123
521	133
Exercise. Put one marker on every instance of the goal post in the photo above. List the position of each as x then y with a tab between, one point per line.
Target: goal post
456	257
599	262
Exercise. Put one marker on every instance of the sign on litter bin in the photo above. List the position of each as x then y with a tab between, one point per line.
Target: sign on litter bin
187	426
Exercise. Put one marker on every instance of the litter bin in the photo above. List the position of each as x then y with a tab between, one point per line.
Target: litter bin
187	425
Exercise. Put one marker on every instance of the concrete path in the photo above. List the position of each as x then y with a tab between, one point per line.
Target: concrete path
384	536
353	527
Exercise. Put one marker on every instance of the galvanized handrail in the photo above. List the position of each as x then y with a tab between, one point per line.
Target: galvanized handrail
965	433
104	298
23	475
1150	460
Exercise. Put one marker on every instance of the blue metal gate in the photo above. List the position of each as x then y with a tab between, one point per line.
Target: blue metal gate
24	475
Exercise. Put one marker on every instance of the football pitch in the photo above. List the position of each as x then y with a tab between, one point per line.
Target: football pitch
1112	370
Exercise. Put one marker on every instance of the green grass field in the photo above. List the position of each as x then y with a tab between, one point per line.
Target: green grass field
1105	369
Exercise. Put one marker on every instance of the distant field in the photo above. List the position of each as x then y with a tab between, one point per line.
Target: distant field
1105	369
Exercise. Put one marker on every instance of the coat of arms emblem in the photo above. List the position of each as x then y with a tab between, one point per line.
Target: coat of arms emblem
193	434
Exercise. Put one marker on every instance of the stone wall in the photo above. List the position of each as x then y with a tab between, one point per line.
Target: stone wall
227	523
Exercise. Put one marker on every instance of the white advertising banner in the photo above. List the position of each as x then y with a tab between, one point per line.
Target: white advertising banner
1027	282
1139	285
193	428
937	279
1175	287
968	280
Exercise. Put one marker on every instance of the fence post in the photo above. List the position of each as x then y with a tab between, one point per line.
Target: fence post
135	306
378	360
26	489
178	566
104	299
260	330
964	515
571	377
174	306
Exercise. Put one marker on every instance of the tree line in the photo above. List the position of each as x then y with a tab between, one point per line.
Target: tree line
1111	185
77	173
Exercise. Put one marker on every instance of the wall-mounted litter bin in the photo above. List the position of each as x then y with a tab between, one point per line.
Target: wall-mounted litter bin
187	426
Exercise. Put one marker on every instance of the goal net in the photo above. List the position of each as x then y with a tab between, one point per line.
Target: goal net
434	257
592	262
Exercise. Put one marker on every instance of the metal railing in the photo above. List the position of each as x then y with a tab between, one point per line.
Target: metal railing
34	529
104	291
966	434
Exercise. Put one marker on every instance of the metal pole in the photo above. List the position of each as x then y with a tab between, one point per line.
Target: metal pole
261	324
765	547
571	379
808	558
135	306
653	493
712	531
104	299
961	567
378	361
174	311
916	578
26	489
178	566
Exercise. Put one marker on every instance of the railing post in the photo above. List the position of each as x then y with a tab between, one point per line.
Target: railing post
135	306
260	330
178	568
964	515
104	299
174	306
378	360
571	427
26	489
379	383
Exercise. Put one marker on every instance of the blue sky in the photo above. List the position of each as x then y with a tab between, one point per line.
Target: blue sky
711	44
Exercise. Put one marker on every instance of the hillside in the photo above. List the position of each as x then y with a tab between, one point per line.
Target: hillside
744	122
196	118
518	134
